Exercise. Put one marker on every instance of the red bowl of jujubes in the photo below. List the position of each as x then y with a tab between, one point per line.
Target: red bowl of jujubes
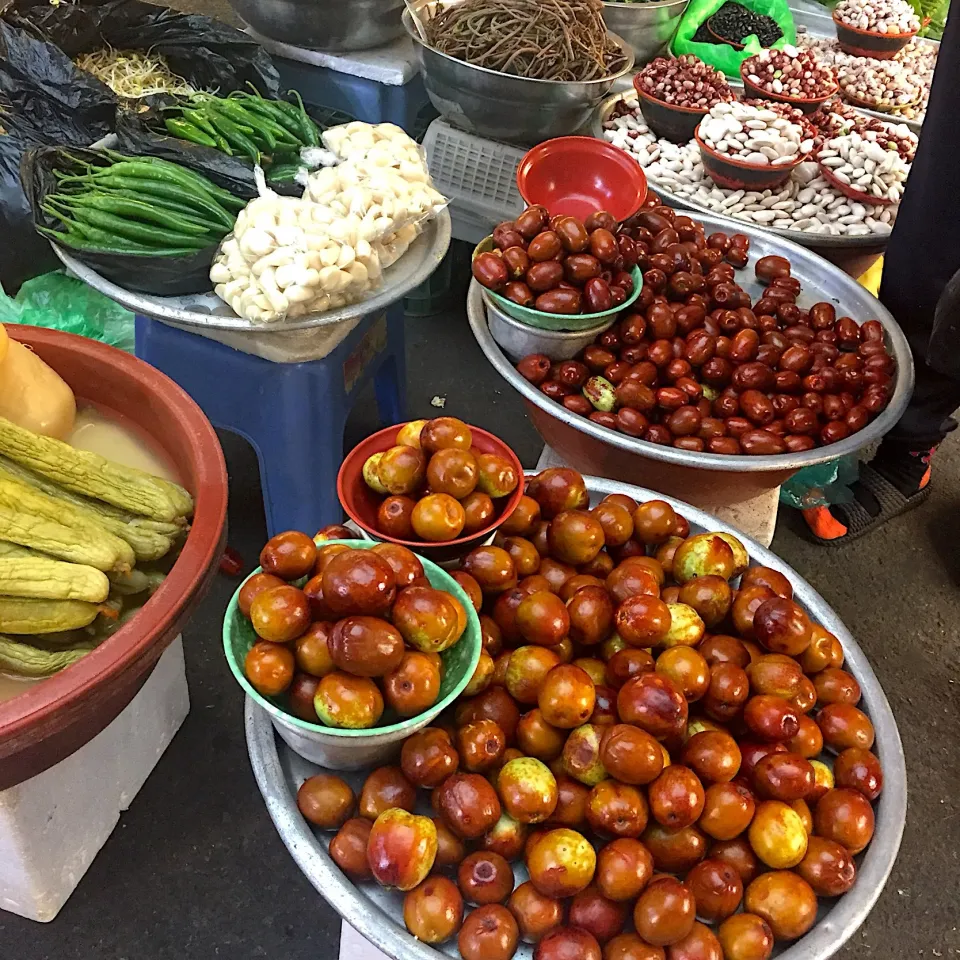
440	487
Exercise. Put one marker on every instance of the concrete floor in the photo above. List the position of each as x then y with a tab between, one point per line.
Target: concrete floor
195	869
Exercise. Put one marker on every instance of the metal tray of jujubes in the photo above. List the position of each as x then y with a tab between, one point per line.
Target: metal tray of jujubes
377	913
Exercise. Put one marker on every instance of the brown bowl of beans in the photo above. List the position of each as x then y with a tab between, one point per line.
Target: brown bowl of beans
675	95
871	43
789	76
738	169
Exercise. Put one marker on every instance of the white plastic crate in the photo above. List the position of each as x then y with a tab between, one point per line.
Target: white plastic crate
478	175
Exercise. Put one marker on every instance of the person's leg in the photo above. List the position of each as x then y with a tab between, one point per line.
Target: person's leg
917	286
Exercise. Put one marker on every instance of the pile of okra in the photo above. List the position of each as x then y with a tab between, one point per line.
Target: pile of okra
113	204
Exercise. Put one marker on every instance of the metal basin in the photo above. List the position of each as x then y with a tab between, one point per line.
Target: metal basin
377	914
647	27
336	27
709	478
496	105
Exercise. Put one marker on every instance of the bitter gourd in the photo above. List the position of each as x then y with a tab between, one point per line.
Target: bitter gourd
89	474
23	615
27	661
32	519
46	579
150	539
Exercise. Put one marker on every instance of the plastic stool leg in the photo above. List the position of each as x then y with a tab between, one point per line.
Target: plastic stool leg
390	381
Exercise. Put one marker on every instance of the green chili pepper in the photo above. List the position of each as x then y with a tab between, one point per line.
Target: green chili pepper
157	191
307	127
77	242
134	210
199	120
283	172
234	135
187	131
274	111
149	236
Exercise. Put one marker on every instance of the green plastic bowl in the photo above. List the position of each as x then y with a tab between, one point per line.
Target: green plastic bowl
556	321
339	749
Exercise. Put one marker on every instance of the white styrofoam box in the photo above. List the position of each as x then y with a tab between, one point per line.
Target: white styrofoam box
393	64
54	824
756	517
354	947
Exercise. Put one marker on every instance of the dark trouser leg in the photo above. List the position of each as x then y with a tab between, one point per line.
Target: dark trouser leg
924	253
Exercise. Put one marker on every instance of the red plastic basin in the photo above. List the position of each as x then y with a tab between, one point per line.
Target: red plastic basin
53	718
578	176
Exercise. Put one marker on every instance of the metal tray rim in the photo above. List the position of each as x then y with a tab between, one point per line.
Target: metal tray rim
824	939
432	245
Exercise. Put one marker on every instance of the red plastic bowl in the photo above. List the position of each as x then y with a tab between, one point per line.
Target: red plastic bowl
578	176
868	43
805	104
740	175
849	190
52	719
361	503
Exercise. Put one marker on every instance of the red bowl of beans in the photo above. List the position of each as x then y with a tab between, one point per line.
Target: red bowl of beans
739	175
807	104
675	94
870	43
667	120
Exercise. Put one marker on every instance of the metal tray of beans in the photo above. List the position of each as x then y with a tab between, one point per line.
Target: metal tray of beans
819	241
377	914
207	311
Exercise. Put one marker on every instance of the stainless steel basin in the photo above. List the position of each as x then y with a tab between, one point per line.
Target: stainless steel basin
336	27
647	27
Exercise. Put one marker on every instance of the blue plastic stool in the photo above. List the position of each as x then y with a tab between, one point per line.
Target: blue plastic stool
359	97
293	414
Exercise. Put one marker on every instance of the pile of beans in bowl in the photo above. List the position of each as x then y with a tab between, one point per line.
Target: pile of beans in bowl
790	72
684	82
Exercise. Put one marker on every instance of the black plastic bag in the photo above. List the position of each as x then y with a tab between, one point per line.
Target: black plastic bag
140	130
208	54
50	102
163	276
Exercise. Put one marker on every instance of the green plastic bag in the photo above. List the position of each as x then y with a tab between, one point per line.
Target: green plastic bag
64	303
722	55
821	484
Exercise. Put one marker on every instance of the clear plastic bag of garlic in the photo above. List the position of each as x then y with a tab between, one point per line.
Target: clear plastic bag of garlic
375	145
289	257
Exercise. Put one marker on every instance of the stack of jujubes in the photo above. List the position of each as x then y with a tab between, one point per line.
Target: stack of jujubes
644	742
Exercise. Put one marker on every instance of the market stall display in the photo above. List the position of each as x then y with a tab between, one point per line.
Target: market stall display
806	208
373	647
436	486
879	30
558	265
698	365
131	74
734	22
788	76
499	90
74	518
899	86
710	478
589	755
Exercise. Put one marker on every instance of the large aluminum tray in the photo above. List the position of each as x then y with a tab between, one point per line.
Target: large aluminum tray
819	241
820	281
377	914
207	311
